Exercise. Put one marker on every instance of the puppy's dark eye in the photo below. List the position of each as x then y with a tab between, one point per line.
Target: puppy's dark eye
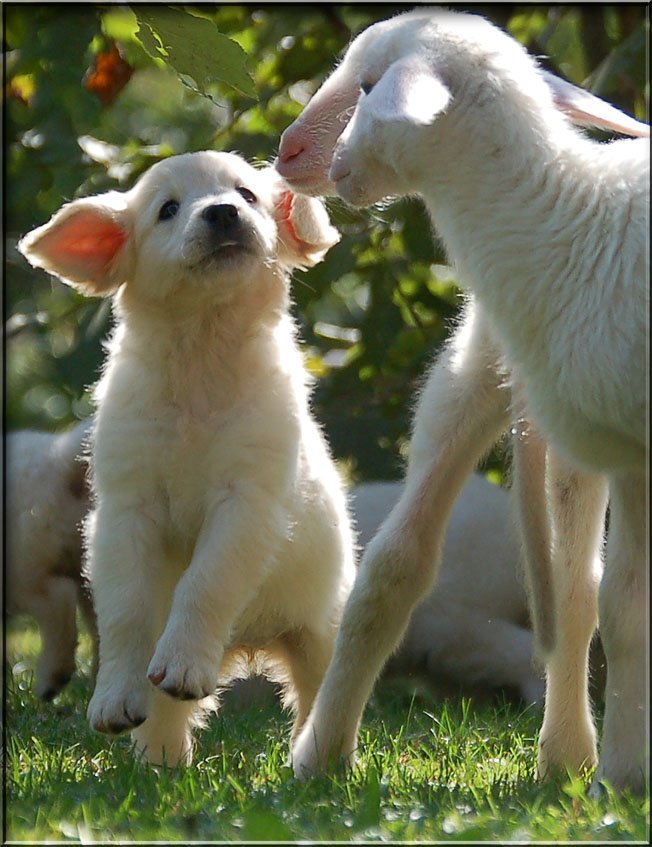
249	196
168	210
366	87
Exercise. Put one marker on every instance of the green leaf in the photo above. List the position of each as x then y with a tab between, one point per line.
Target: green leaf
194	48
146	37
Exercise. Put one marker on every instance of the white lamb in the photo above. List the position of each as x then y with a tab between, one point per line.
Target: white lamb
47	499
548	230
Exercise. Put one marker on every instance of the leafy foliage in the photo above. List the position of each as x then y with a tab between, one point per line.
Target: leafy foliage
96	94
193	47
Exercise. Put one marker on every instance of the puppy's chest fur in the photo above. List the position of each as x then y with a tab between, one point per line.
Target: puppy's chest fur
184	433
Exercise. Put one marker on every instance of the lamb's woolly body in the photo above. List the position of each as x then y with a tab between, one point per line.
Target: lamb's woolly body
548	230
558	289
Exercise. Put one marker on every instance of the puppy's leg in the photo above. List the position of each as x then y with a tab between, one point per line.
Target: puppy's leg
578	502
624	594
306	655
165	738
54	607
131	585
461	413
231	558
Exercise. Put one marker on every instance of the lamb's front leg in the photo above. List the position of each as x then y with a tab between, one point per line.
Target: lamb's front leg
461	413
232	555
624	627
567	738
131	588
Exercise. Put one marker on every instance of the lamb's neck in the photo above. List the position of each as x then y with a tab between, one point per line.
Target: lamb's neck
512	224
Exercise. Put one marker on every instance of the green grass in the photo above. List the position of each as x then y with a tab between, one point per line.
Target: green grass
428	772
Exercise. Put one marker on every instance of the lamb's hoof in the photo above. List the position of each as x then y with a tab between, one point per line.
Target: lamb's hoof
560	753
310	757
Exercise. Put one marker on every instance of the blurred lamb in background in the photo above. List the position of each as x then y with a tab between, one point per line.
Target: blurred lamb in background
46	500
472	630
472	634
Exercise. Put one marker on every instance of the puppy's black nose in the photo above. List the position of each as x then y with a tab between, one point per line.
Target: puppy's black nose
222	216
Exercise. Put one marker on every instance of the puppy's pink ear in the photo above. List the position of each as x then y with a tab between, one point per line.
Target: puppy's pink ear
305	232
85	244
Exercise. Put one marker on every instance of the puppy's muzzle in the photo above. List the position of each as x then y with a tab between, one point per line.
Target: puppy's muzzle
223	234
222	218
225	225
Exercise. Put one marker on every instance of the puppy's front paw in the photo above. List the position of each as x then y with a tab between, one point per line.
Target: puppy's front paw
115	708
181	674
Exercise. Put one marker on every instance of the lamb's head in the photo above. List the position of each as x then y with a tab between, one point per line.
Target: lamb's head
391	96
398	125
205	223
414	90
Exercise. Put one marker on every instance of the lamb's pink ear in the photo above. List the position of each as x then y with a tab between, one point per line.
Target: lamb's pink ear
84	244
586	109
409	91
305	231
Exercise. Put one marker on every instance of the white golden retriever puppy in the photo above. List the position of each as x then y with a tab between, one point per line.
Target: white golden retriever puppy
220	527
47	499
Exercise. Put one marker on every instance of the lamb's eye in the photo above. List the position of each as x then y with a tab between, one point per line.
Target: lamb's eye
168	210
249	196
366	87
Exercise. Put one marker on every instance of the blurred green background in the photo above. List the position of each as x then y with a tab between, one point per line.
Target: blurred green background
96	94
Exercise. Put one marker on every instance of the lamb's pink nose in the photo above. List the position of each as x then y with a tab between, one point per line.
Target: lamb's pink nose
290	147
